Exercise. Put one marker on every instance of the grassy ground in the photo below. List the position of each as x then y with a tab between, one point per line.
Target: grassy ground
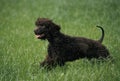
21	52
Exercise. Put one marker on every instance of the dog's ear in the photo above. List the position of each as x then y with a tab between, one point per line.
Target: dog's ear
54	28
57	27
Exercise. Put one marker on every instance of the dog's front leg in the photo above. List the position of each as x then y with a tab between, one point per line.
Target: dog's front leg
48	62
51	62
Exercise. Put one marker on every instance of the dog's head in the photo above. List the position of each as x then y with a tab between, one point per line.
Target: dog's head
45	28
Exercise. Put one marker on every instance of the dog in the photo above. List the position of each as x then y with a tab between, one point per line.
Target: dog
63	48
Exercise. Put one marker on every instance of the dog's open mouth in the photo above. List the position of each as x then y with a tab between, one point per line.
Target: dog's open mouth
40	36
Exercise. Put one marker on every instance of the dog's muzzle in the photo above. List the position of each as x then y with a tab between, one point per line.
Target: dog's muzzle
38	34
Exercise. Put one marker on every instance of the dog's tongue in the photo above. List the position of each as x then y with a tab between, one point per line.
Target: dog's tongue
39	36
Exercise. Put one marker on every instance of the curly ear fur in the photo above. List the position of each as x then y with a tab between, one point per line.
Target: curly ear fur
55	27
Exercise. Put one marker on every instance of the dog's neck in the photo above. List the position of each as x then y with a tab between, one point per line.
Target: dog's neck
55	37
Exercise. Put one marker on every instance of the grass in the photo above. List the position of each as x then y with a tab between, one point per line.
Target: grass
21	52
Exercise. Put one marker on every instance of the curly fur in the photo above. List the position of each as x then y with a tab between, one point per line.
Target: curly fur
63	48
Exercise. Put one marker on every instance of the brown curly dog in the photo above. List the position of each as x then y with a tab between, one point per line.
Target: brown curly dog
63	48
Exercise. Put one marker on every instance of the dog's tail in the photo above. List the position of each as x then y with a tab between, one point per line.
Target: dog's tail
102	37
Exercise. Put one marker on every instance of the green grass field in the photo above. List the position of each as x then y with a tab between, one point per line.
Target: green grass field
21	52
